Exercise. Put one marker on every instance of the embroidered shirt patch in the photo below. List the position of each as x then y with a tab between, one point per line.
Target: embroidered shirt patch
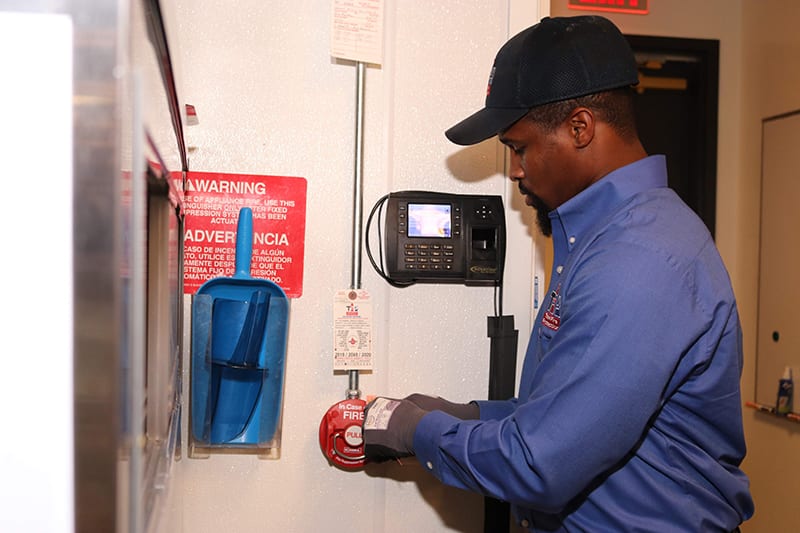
552	316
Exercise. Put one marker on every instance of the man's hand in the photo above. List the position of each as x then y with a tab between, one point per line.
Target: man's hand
464	411
389	427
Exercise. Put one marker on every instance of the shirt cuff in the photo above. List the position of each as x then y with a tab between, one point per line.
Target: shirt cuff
495	409
427	438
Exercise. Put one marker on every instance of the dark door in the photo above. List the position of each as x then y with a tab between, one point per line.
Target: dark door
676	106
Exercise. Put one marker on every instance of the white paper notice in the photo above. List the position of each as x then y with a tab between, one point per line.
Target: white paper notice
352	330
357	30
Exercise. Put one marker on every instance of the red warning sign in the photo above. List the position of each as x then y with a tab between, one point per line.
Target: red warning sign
211	207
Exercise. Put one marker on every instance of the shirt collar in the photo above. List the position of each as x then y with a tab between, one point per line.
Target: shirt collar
580	213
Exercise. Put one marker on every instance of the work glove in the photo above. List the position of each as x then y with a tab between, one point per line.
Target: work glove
388	428
464	411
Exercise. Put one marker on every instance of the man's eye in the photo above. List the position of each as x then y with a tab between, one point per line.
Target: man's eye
518	150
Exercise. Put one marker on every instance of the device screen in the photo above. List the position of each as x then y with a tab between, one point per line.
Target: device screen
429	220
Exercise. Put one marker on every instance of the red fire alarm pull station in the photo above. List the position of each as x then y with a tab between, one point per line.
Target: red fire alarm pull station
634	7
340	434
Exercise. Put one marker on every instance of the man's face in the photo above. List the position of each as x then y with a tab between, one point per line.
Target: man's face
542	166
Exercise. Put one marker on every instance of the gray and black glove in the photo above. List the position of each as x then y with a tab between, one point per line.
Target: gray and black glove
464	411
389	427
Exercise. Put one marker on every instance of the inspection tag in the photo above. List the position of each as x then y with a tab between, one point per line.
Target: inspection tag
352	330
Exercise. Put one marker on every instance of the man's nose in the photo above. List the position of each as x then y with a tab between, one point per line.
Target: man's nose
515	171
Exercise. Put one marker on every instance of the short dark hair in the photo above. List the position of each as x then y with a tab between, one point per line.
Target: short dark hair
614	107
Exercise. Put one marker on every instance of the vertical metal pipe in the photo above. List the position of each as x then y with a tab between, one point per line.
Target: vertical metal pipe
358	205
358	182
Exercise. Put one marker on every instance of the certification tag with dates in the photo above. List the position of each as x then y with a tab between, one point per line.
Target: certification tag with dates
352	330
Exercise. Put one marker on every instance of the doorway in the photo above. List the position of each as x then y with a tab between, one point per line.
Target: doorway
676	107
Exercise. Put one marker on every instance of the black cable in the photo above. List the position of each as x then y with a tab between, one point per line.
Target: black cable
378	204
501	253
379	268
498	298
380	230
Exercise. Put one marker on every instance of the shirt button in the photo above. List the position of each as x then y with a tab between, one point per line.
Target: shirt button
572	240
429	465
559	269
524	523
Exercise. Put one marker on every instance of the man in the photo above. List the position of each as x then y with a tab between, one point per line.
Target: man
629	412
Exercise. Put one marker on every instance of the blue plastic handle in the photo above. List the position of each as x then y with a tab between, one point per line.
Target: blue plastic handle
244	243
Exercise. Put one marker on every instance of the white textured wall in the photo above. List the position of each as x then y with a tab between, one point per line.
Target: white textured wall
271	101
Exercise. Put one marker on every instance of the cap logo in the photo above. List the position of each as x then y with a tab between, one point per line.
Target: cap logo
491	78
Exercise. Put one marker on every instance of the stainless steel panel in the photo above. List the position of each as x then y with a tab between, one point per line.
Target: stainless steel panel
120	447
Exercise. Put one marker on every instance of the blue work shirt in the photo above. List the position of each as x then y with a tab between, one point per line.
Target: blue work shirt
629	411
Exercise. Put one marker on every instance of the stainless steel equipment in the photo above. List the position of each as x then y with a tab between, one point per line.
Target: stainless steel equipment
129	159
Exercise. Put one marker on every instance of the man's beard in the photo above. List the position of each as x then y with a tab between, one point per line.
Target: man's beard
542	212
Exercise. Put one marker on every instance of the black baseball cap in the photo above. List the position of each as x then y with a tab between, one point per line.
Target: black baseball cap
557	59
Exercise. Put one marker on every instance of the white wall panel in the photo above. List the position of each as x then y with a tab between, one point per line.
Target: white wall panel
270	100
439	56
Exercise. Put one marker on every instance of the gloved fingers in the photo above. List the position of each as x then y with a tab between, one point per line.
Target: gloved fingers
388	428
377	453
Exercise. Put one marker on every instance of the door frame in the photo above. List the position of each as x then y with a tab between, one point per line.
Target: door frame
706	53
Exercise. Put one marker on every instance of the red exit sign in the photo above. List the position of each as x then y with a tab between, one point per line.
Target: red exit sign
637	7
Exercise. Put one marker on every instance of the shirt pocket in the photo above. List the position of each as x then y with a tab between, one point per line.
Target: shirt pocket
543	338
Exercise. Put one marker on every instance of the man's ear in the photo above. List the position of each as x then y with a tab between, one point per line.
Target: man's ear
581	126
